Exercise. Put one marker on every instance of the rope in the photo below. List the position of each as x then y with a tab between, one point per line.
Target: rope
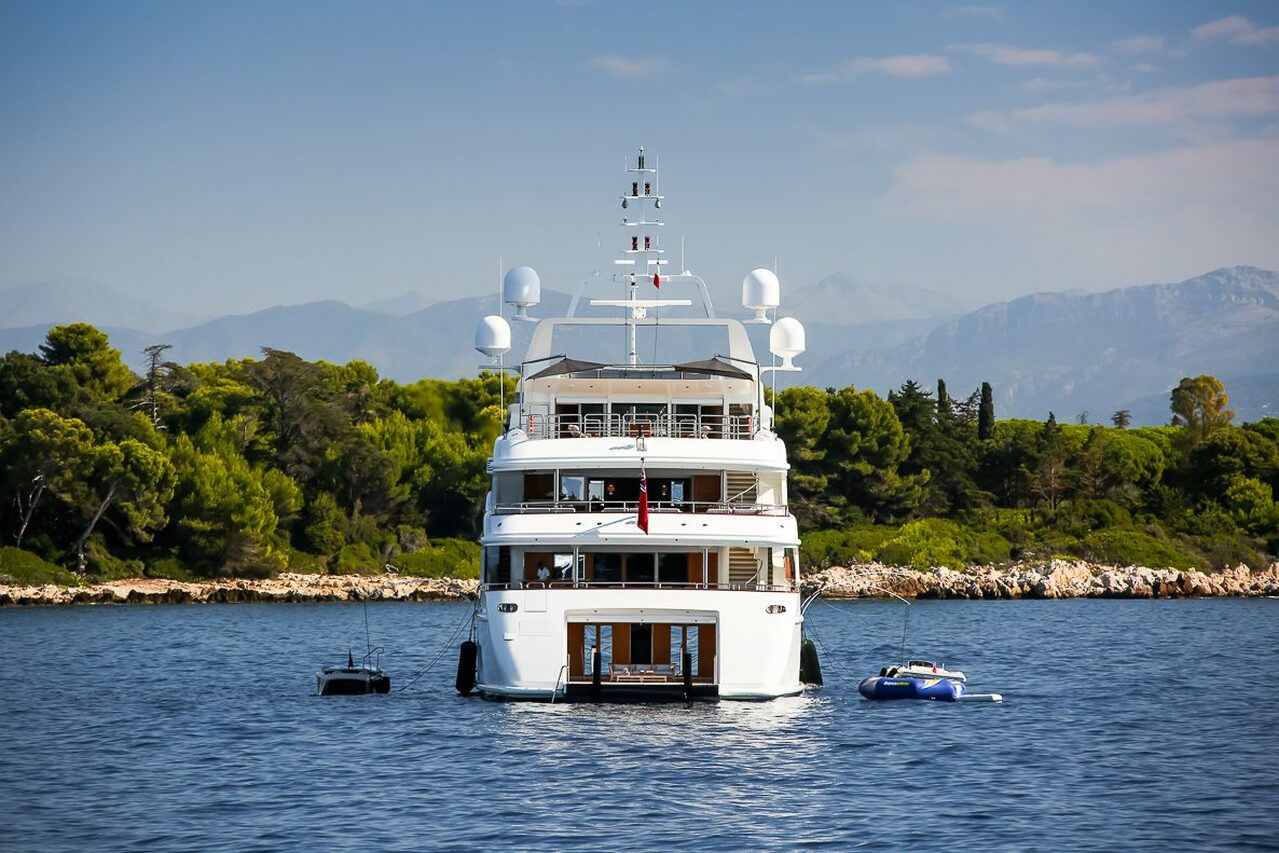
447	645
812	629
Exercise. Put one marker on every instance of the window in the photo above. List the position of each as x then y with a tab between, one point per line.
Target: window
572	488
639	568
673	568
608	568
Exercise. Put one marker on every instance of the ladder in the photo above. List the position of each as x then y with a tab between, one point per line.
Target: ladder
740	487
743	568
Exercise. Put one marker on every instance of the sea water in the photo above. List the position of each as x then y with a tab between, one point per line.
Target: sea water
1125	724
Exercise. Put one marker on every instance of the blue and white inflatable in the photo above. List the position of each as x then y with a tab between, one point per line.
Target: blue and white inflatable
922	680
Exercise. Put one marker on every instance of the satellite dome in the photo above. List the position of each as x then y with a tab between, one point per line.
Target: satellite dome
786	340
521	288
760	291
493	336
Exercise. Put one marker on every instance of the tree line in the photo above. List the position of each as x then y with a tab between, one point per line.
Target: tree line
255	466
248	467
928	479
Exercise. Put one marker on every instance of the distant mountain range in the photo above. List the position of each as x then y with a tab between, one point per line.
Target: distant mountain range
1066	352
1097	352
51	302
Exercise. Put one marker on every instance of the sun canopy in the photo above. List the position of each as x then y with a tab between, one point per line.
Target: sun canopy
566	365
714	367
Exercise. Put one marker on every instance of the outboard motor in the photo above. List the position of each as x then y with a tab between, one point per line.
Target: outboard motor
810	668
466	660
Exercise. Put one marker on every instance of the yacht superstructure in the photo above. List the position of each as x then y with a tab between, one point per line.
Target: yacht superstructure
637	542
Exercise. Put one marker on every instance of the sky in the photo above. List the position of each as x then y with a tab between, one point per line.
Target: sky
221	157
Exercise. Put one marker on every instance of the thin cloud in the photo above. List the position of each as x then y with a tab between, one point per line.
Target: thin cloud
1219	99
920	65
630	68
1223	195
1137	45
1002	54
1236	29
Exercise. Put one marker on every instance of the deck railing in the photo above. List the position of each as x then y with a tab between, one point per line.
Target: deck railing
568	584
611	506
539	425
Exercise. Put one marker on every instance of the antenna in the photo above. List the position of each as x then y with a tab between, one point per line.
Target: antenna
368	641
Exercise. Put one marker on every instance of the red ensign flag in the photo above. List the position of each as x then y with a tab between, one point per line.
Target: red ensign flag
657	280
642	521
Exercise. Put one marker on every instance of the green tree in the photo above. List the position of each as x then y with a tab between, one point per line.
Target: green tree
986	413
801	417
87	356
1199	407
865	447
1121	418
229	512
1251	504
26	382
129	478
300	417
49	454
1050	480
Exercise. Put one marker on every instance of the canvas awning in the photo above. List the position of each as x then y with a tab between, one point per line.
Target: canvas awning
566	365
714	367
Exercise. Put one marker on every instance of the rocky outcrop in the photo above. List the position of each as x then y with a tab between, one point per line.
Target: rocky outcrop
286	587
1051	579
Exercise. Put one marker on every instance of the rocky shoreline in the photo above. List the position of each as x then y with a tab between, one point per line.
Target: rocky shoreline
285	588
1049	579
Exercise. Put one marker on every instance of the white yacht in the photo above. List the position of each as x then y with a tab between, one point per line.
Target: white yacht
637	542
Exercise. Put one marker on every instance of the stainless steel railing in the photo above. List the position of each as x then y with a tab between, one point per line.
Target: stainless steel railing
749	586
703	507
539	425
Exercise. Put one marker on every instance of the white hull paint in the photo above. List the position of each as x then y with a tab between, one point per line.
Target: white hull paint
523	654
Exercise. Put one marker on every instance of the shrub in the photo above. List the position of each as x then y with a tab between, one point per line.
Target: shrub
457	558
303	563
170	568
356	559
988	548
25	568
1133	547
841	546
926	543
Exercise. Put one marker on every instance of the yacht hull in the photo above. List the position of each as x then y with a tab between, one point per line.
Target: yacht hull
750	644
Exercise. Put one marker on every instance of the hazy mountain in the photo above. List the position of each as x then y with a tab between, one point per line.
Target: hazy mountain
1065	352
406	303
841	300
1095	352
68	301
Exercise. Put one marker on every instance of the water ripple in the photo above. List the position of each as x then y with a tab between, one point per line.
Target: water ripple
1146	724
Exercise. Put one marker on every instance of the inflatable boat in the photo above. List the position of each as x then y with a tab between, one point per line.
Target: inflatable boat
920	679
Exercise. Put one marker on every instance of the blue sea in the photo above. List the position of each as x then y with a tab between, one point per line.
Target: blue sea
1125	724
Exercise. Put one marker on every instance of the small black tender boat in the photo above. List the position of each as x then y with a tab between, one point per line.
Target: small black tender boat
352	680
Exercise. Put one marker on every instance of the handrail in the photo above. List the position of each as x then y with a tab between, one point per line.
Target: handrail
619	425
728	507
556	586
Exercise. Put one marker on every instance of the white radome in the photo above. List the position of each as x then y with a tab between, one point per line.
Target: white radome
786	340
521	288
760	291
493	336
